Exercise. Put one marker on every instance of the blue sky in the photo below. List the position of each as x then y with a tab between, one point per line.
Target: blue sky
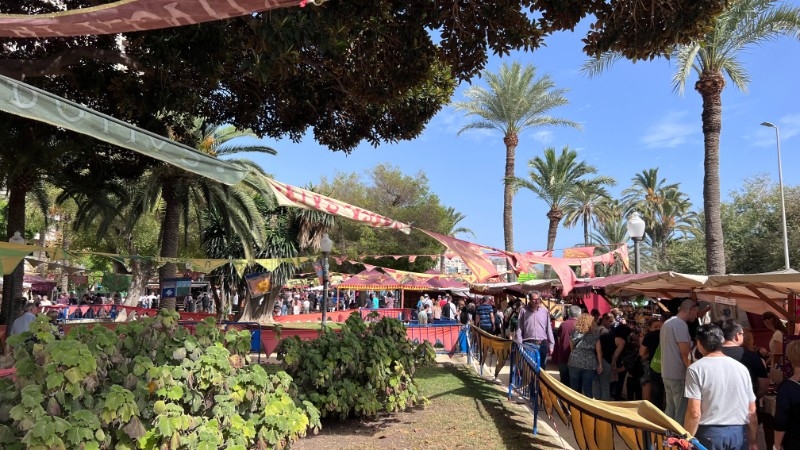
631	121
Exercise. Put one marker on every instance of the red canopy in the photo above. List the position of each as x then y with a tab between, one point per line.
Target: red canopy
370	279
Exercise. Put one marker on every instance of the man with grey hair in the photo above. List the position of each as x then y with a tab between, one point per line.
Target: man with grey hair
535	328
562	349
23	322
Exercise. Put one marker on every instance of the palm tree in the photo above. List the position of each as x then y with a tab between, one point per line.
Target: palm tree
744	24
664	208
586	204
515	101
184	194
610	234
553	179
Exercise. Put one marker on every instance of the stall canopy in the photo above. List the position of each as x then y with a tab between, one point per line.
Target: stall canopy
755	293
370	280
654	284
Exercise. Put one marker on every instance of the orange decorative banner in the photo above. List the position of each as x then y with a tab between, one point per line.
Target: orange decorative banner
292	196
131	15
579	252
470	253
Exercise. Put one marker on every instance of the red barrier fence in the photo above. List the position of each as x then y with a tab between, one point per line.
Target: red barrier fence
110	311
443	338
336	316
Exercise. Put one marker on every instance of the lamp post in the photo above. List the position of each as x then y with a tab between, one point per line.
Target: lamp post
325	245
636	231
783	201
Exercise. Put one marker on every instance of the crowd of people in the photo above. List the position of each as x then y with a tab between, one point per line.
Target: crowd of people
709	377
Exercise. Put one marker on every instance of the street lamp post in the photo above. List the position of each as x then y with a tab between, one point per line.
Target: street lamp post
326	245
636	231
783	201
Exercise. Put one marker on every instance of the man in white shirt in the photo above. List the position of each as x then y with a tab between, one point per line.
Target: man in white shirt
721	408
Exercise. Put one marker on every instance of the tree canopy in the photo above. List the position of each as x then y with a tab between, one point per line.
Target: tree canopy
352	70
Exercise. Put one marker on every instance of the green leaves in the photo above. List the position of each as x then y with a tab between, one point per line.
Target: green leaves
160	398
360	371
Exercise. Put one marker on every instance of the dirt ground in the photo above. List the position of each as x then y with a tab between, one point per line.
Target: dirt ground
465	412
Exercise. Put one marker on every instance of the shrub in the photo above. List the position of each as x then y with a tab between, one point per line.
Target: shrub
150	384
363	370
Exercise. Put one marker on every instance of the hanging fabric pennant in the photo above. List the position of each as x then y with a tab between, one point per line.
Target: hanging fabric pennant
206	265
239	265
579	252
132	15
13	254
269	264
470	253
412	258
27	101
293	196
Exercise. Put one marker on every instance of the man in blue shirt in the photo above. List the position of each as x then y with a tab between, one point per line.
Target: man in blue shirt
23	322
484	314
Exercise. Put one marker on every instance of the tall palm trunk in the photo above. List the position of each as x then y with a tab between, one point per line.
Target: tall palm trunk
554	215
586	236
12	284
170	231
710	87
511	140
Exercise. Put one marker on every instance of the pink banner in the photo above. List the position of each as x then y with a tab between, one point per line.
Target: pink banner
131	15
471	254
292	196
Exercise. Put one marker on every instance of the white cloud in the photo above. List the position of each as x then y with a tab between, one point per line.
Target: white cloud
543	136
673	130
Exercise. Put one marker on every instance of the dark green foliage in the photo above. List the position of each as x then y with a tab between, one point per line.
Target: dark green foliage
361	371
149	384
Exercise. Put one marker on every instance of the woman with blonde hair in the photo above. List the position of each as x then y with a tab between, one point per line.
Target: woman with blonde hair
584	360
787	407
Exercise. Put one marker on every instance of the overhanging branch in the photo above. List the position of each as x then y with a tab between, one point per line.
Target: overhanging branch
61	63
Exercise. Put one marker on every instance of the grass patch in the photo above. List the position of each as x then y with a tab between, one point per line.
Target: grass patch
465	412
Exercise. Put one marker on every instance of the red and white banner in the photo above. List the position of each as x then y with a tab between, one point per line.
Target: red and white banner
293	196
472	255
131	15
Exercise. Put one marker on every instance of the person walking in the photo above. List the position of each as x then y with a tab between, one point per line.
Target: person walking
585	356
484	315
535	328
676	344
721	405
563	346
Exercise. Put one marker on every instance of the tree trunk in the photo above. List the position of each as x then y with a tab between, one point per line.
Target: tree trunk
586	229
511	141
710	86
140	273
170	231
12	284
554	216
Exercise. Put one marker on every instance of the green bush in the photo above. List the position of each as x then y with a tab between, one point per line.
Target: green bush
363	370
149	384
